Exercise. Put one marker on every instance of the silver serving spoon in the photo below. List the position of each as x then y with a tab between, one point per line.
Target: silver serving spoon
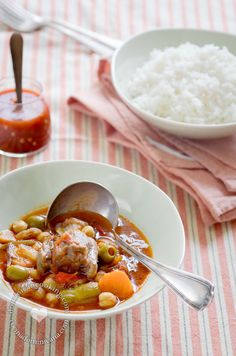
87	196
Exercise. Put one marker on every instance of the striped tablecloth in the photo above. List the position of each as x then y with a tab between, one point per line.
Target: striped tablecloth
163	325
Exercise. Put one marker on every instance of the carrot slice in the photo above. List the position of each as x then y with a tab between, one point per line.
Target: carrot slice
118	283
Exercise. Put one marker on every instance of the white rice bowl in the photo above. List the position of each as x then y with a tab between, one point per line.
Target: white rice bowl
188	83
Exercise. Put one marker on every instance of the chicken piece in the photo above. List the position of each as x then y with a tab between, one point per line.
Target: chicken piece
70	225
75	251
14	258
27	252
44	258
11	253
7	236
90	268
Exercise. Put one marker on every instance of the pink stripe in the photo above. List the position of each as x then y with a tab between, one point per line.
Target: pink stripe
78	120
60	343
212	312
3	309
131	23
136	316
234	7
172	299
234	233
170	9
229	294
79	338
62	105
40	335
144	167
157	11
173	306
223	15
95	142
20	324
193	317
144	13
100	325
48	81
156	330
119	335
137	335
197	16
210	17
184	17
6	58
118	20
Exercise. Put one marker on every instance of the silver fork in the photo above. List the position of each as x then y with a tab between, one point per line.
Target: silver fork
20	19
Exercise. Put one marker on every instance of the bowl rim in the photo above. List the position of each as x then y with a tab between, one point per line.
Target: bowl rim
94	314
161	120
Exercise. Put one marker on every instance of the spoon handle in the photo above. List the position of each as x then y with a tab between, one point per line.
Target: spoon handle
16	45
197	291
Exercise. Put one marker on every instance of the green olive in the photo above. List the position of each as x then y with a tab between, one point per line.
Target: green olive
81	293
36	221
16	273
106	252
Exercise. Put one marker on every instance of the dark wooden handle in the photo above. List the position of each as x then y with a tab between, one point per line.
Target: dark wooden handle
16	45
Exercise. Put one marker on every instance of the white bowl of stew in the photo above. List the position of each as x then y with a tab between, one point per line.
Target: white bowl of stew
154	220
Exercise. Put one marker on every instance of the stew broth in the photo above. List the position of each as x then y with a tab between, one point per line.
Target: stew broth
136	272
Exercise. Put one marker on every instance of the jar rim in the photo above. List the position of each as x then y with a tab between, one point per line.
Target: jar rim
33	81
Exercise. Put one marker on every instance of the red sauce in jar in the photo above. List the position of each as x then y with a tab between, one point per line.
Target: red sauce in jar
23	127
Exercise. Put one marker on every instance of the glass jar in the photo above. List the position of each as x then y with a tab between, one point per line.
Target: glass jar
24	128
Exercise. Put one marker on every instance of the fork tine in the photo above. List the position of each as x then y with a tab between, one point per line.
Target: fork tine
9	12
10	18
14	8
18	9
14	14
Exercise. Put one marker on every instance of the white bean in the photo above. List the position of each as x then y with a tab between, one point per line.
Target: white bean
107	300
19	225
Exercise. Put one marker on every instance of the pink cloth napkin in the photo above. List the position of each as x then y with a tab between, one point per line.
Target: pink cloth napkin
205	169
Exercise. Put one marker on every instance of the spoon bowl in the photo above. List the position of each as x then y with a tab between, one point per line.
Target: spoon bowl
84	196
88	196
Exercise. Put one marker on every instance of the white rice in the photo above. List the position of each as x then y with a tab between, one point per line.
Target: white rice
188	84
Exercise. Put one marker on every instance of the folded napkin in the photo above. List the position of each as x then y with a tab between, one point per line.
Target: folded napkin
205	169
